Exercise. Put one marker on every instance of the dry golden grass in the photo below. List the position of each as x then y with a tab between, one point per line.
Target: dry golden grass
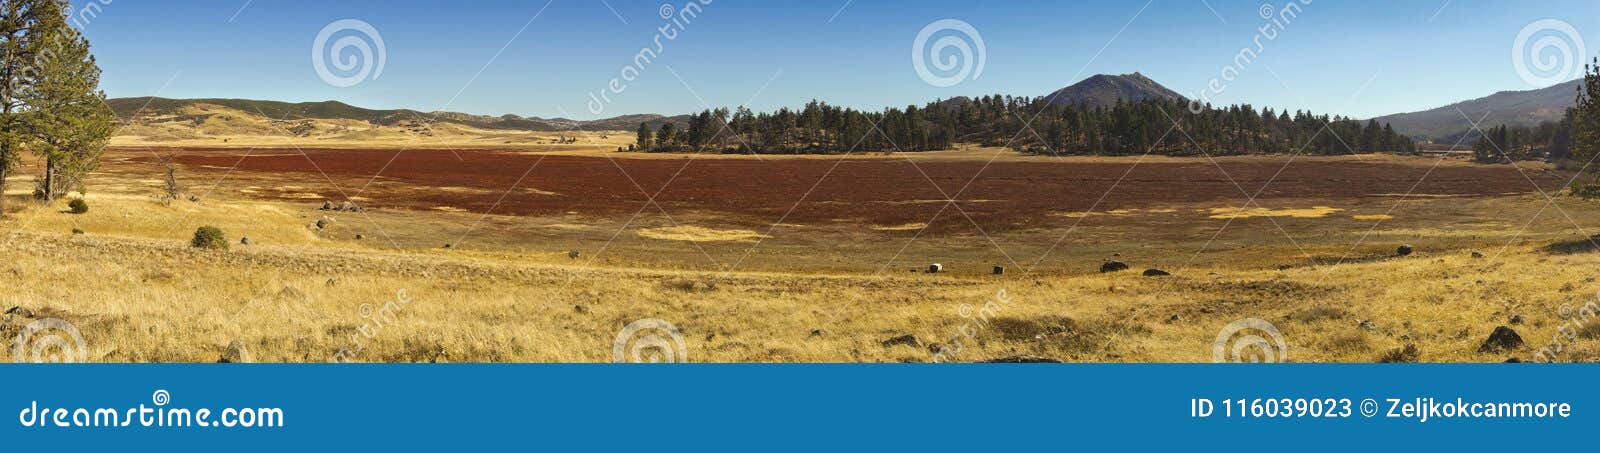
139	293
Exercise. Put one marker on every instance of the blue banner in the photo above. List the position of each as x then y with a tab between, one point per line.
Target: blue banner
995	407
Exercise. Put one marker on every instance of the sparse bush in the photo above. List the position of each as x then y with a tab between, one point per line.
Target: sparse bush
1018	329
209	237
1586	191
1407	354
78	206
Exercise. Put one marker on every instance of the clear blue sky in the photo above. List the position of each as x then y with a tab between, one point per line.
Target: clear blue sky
1409	55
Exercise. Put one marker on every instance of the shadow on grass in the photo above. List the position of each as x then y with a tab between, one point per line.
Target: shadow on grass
1589	245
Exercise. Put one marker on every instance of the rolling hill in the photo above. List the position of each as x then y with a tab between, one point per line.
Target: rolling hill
136	110
1517	108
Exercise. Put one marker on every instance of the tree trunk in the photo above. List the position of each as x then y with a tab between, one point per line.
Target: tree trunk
50	179
3	174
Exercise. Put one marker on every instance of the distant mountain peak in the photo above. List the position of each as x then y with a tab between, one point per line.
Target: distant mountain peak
1104	90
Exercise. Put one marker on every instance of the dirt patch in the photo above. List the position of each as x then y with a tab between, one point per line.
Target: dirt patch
692	233
1005	194
1314	212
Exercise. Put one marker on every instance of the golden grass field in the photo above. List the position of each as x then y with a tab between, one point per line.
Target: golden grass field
507	291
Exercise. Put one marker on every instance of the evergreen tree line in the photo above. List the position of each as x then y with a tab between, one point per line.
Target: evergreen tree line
1549	140
50	102
1121	129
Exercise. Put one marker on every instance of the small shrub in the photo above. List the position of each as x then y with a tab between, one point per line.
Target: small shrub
1407	354
78	206
209	237
1586	191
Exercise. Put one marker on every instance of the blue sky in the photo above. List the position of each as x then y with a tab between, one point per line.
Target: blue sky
1357	58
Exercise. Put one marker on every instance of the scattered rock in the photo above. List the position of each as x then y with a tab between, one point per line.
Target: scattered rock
76	231
1021	359
324	223
1516	319
360	237
327	206
907	340
235	353
574	254
447	246
1513	360
1174	318
580	308
20	311
935	348
1284	267
1502	339
1477	254
244	240
1367	324
999	270
818	332
332	282
935	268
1403	250
1156	273
1113	266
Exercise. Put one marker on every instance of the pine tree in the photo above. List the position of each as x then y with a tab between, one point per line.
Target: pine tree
24	28
1585	117
69	122
643	141
666	136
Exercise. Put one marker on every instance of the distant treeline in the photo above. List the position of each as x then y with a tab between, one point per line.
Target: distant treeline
1550	140
1121	129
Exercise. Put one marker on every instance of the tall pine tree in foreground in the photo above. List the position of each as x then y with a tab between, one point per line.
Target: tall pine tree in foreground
68	121
1585	117
20	39
50	103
